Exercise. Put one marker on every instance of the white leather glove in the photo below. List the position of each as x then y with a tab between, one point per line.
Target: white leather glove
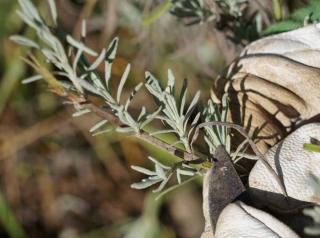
275	87
297	167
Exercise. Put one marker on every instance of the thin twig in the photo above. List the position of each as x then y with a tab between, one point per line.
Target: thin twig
145	136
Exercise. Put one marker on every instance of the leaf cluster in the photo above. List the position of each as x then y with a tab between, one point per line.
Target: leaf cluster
76	79
310	13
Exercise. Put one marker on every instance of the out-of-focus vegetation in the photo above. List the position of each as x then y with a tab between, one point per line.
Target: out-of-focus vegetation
59	181
304	15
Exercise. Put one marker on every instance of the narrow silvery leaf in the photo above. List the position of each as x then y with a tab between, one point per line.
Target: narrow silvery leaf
187	166
151	117
53	10
239	148
87	86
185	172
157	162
84	28
154	84
76	59
153	177
132	95
98	125
153	90
46	36
142	113
144	184
174	187
122	81
224	112
213	136
171	123
171	81
79	45
32	79
193	104
124	129
27	20
108	97
212	111
61	73
81	112
178	176
112	50
119	112
143	170
160	172
162	118
131	121
96	81
161	132
60	51
212	147
193	124
171	101
98	61
163	183
50	55
195	120
107	72
24	41
30	10
183	96
171	107
101	132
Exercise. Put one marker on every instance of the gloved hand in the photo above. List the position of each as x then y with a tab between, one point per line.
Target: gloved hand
273	89
296	168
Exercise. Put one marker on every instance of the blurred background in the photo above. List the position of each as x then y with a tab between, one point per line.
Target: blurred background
56	180
59	181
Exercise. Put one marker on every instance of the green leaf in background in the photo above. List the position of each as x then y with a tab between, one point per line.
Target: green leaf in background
296	19
15	69
8	220
283	26
277	9
157	12
148	224
312	147
312	9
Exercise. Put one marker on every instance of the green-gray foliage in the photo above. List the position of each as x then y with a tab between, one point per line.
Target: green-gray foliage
9	221
309	13
227	15
75	78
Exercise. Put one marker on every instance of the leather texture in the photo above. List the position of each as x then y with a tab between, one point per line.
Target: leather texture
267	85
242	221
208	231
274	92
301	45
295	166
